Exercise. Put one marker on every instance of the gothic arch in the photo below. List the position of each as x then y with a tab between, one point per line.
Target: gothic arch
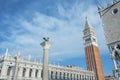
51	74
24	71
9	70
36	73
30	73
56	75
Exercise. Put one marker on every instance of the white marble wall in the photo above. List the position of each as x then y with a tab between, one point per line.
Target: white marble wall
55	72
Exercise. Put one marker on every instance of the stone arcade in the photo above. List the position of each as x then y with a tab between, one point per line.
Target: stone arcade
29	70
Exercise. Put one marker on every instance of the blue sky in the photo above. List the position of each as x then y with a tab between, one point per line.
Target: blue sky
23	24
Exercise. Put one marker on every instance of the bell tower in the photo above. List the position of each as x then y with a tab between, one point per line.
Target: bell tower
93	60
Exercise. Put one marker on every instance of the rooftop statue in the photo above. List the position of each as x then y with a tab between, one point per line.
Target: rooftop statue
46	39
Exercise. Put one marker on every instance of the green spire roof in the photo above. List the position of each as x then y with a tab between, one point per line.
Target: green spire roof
87	25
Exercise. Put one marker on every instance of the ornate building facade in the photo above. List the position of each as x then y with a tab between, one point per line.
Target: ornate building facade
93	60
29	70
110	17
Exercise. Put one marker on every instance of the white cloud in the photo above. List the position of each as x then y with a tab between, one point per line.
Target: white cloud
65	34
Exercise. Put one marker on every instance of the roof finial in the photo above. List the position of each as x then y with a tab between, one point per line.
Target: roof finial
6	53
19	53
87	26
29	57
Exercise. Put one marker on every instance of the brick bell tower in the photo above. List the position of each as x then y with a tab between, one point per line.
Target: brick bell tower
93	60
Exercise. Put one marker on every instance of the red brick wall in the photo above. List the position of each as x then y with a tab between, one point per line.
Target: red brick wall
93	61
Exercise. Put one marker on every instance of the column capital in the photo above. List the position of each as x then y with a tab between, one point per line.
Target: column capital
46	43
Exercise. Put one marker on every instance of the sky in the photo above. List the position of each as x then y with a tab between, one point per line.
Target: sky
24	23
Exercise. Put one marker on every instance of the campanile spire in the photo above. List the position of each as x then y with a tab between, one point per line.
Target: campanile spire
93	60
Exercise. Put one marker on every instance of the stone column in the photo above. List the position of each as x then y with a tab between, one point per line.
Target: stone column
17	59
89	77
4	71
46	45
82	77
39	73
65	75
49	75
53	74
69	77
20	72
27	73
58	75
33	73
75	76
61	75
72	76
78	77
12	72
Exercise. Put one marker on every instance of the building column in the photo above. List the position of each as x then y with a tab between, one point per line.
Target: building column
72	76
58	75
46	45
61	75
20	72
12	72
82	77
27	73
33	73
85	77
78	77
39	73
49	75
75	76
54	75
69	76
89	77
4	71
65	75
17	59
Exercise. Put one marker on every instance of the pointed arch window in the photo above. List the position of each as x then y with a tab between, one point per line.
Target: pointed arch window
42	73
9	70
74	76
77	76
60	75
0	71
30	73
36	73
51	74
24	71
56	75
71	76
64	76
67	75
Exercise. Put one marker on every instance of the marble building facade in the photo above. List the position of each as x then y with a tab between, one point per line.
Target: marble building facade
32	70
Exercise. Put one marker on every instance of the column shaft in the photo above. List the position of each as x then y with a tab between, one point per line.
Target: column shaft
45	65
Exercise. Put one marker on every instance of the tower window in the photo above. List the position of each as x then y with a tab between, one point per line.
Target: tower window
94	40
115	11
87	40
